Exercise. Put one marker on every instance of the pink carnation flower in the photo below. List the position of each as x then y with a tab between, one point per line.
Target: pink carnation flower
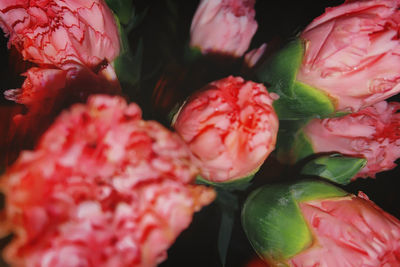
371	133
312	223
349	232
223	26
60	32
352	53
103	188
45	93
230	127
72	43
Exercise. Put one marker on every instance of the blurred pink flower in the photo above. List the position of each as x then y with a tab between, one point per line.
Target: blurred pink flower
223	26
61	32
45	93
230	127
349	232
103	188
371	133
72	44
352	52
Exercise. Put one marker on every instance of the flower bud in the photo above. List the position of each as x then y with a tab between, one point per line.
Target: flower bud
60	32
223	26
371	133
102	188
352	53
345	60
311	223
230	127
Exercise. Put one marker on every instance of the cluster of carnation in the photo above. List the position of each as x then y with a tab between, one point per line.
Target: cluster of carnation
314	223
103	188
60	32
70	45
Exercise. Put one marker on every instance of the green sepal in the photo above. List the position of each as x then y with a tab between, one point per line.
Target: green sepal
336	168
296	100
280	70
292	144
273	222
237	184
302	147
308	190
306	102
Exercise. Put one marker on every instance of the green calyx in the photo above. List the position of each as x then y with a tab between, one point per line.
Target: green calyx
297	100
237	184
292	144
336	168
273	221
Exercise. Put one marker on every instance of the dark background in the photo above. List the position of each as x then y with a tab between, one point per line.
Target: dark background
164	31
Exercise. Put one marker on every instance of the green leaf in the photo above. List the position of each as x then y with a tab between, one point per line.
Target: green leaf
135	19
122	8
337	168
228	204
129	67
273	222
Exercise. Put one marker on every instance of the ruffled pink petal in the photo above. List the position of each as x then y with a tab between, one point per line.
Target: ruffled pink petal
230	127
58	32
350	231
353	53
371	133
103	188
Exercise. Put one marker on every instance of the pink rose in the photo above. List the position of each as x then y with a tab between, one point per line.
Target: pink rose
371	133
223	26
349	231
230	127
352	52
60	32
103	188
